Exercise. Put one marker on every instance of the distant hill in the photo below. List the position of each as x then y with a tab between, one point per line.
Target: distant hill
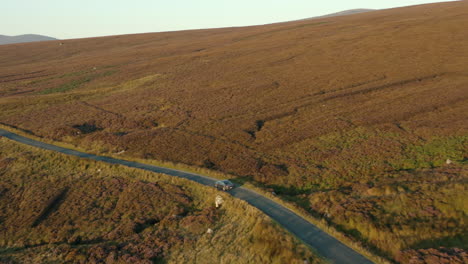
345	13
349	12
23	38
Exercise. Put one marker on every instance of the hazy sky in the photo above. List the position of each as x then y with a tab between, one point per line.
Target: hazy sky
86	18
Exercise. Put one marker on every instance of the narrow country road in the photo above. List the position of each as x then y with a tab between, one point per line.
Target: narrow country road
327	246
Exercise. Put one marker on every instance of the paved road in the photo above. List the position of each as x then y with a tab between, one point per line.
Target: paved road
327	246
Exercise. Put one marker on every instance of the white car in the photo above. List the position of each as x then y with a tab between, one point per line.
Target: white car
224	185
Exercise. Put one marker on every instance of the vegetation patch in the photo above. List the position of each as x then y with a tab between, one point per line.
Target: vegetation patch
76	83
67	86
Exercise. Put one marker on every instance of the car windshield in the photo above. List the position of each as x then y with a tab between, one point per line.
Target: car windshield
227	182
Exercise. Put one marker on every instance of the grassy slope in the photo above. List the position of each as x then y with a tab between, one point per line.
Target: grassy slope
332	109
54	208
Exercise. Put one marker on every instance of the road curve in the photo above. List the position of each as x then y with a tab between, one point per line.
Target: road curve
324	244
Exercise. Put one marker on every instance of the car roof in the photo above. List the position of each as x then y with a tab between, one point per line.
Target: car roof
225	181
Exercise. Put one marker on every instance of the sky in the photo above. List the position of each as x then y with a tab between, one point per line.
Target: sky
66	19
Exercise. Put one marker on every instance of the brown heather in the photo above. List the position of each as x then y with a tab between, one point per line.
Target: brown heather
352	118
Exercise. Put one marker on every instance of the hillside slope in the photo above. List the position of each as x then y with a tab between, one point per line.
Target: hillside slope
352	117
23	39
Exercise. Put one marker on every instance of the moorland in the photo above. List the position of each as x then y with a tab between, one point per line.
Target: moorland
361	120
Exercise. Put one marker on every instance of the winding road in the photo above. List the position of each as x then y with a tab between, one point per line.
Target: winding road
327	246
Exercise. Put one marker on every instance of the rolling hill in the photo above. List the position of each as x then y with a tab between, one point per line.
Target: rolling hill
347	12
361	120
23	39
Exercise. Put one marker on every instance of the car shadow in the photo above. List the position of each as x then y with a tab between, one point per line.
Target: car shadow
240	181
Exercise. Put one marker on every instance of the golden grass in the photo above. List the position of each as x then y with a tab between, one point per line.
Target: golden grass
241	233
